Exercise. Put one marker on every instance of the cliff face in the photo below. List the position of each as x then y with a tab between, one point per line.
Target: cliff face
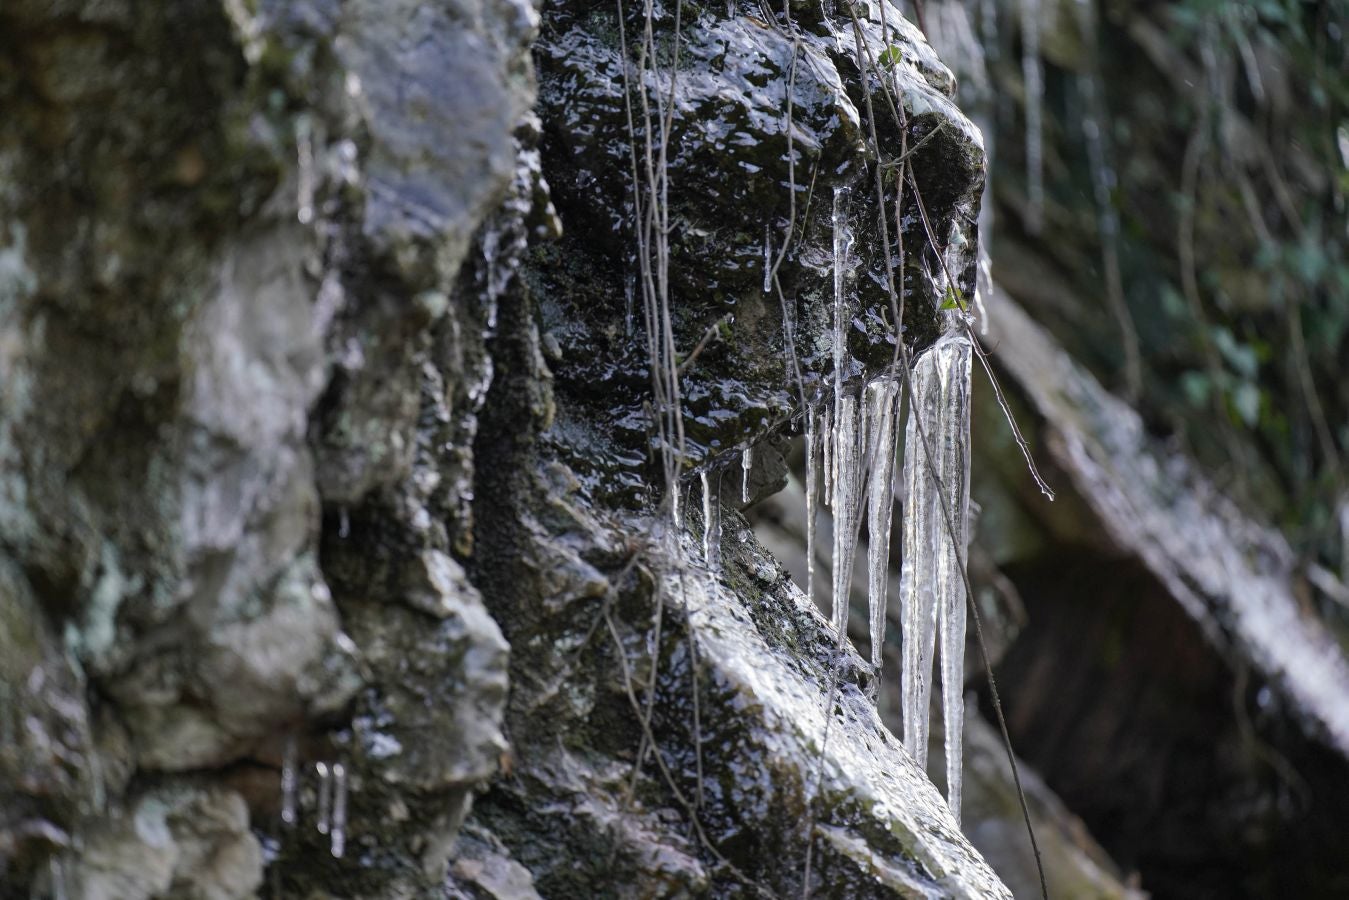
324	492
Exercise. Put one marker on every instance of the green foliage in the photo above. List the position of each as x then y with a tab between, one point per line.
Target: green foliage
891	56
1228	130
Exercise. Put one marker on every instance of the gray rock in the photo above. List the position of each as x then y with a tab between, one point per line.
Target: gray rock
172	842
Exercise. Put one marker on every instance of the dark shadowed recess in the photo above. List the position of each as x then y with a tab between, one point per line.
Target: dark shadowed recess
1165	752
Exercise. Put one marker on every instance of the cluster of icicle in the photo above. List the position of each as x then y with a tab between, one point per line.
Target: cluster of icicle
851	448
331	812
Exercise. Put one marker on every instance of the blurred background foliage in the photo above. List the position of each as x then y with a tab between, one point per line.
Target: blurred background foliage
1180	223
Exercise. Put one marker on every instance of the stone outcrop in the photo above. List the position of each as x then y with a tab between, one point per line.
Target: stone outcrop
323	493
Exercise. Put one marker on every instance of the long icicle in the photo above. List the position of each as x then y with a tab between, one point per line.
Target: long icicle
844	487
847	502
812	494
932	589
917	577
952	449
827	452
882	403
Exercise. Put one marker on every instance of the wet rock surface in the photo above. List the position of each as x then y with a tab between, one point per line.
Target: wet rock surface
767	120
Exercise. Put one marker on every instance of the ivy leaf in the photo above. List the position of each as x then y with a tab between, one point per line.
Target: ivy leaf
891	56
953	300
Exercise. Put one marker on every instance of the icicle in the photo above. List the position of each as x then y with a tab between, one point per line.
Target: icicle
325	797
953	450
338	844
812	491
842	244
57	867
833	450
746	464
288	782
932	590
304	168
983	284
882	403
677	508
711	521
916	597
827	451
847	502
629	289
1032	73
767	260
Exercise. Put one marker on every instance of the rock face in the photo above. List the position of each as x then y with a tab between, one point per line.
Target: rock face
323	471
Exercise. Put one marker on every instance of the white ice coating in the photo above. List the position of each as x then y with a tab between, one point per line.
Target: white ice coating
711	520
932	585
338	835
882	412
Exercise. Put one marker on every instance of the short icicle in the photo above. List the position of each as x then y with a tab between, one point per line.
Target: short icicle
325	798
289	785
746	465
338	835
711	520
882	415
